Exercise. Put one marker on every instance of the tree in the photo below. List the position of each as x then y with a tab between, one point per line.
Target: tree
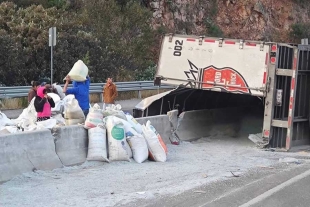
125	35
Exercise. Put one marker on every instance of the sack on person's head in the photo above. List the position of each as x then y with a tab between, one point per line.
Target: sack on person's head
78	72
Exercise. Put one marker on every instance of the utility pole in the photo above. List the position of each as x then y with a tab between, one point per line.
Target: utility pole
52	43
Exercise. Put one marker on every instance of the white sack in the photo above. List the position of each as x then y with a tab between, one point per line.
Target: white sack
9	130
59	107
118	146
73	110
157	148
54	96
4	120
129	129
97	144
79	71
139	148
59	119
27	117
114	110
137	126
46	124
94	117
59	91
58	102
70	122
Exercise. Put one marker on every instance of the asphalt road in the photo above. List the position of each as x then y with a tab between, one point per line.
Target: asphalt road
287	185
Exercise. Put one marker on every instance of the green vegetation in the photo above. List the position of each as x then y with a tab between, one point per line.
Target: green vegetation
300	31
114	38
213	29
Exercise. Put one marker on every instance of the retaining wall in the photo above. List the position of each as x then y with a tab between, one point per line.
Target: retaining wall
160	123
64	146
231	122
71	144
25	152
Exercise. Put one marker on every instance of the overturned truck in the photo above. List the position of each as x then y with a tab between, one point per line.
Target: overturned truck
227	84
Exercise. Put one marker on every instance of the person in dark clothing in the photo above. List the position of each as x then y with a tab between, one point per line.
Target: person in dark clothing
33	91
43	104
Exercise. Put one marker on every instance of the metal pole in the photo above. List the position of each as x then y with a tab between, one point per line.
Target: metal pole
161	106
52	55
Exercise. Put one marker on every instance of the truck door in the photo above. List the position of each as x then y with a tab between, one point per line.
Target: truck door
286	116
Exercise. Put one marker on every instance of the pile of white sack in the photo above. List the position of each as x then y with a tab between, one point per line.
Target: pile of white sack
115	136
66	112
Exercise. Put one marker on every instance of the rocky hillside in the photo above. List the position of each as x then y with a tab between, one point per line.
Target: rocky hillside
269	20
121	38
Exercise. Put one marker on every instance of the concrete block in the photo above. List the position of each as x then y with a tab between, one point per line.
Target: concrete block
71	144
173	118
161	124
211	122
25	152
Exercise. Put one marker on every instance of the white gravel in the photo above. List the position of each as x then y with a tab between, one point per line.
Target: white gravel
189	165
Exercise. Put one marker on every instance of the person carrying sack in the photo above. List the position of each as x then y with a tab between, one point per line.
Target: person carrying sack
80	90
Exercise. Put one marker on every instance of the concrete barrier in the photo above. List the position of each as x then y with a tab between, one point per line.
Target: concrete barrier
25	152
173	118
71	144
161	124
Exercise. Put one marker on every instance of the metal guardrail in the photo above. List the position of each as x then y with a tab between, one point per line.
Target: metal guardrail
22	91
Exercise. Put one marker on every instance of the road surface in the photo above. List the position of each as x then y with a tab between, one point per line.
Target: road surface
276	187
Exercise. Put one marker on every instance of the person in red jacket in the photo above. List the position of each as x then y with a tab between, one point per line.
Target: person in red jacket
43	104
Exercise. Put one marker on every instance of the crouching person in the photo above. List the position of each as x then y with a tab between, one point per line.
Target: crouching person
43	104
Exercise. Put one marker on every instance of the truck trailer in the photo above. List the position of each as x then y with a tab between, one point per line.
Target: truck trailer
269	78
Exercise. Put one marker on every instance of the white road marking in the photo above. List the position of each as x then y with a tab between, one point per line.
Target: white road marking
276	189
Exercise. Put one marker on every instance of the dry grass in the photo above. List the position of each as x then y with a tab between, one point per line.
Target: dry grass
19	103
13	103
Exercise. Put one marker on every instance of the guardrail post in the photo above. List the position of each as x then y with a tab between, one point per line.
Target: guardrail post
139	91
101	97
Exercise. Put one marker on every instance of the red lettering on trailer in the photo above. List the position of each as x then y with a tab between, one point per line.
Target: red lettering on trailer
190	40
266	133
227	78
274	48
264	78
293	84
212	41
230	42
294	63
250	44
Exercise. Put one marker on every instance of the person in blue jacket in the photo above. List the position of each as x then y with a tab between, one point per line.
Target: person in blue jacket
81	92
